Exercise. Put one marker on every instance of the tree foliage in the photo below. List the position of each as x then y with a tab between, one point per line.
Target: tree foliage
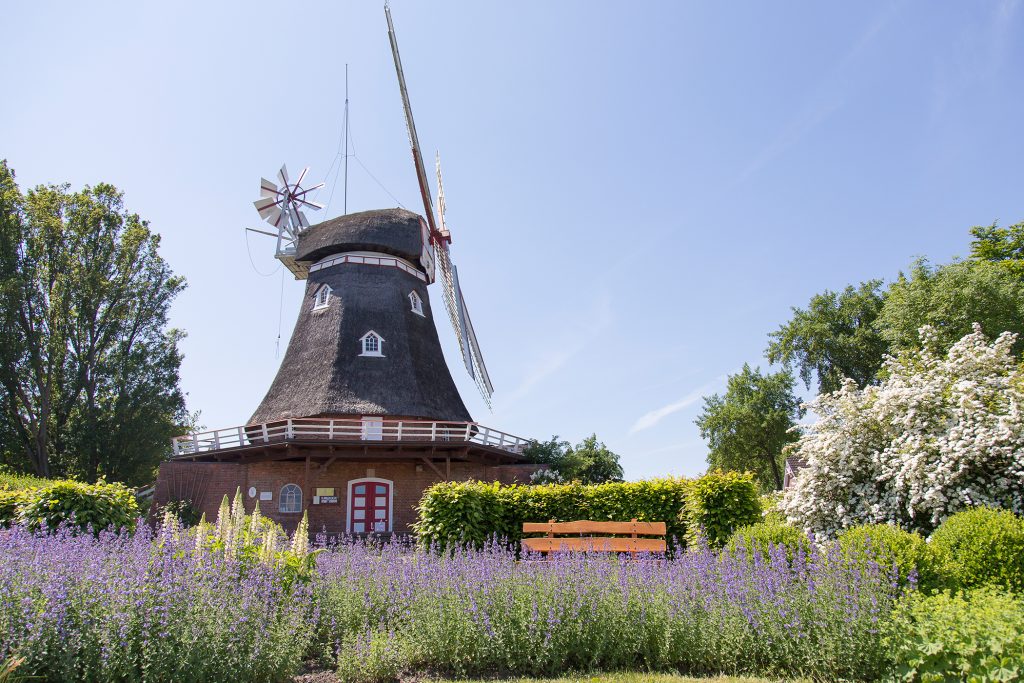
942	432
833	338
88	367
951	298
1004	246
748	427
589	461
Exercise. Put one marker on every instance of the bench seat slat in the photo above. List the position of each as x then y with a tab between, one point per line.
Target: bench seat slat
591	527
591	544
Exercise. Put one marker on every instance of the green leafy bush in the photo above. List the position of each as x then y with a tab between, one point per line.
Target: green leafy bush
891	546
982	546
457	513
718	504
12	481
99	506
10	503
763	536
975	636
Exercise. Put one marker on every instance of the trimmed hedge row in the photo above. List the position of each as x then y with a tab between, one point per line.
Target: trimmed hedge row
458	513
96	506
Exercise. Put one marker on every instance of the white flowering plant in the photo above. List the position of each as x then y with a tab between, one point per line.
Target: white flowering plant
940	433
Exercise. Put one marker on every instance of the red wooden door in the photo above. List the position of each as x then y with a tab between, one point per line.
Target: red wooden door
370	507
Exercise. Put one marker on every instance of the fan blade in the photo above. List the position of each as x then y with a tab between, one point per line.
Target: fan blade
282	175
301	176
265	206
267	188
414	142
303	223
483	379
460	308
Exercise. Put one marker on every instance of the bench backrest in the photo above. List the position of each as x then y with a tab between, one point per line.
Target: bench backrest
631	543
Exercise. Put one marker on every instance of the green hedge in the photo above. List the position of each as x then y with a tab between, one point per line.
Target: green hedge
982	546
719	503
763	536
97	506
456	513
889	546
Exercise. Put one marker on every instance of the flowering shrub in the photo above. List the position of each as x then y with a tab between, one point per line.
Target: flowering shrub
982	547
173	605
975	636
384	611
940	433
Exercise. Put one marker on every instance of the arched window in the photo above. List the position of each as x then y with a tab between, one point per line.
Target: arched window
291	499
323	297
416	302
372	344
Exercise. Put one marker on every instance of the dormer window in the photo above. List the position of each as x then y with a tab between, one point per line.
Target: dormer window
323	297
372	344
416	302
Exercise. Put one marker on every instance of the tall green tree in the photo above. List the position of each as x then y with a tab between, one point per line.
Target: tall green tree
833	338
1000	245
951	298
88	365
589	461
748	427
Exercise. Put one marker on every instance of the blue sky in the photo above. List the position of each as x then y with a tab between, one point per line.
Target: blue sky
638	192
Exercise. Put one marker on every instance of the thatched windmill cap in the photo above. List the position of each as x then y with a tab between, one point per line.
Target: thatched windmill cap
391	231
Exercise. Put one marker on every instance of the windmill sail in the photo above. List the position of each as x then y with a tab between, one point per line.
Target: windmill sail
441	238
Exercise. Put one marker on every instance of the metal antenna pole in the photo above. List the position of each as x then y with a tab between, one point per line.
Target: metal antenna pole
346	140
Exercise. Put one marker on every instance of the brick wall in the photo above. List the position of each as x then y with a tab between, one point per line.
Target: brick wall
409	481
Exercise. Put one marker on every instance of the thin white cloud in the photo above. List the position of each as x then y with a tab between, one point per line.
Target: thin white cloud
648	420
829	96
574	340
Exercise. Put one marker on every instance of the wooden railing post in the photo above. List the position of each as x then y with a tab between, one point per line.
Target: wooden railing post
399	430
266	436
216	441
241	436
195	442
288	430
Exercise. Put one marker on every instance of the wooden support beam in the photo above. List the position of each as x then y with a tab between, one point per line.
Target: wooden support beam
325	465
447	469
435	468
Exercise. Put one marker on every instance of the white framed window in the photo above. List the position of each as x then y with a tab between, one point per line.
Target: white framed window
291	498
416	302
372	344
323	297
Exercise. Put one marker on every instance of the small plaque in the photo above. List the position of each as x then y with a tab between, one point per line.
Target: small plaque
266	495
252	491
325	500
325	492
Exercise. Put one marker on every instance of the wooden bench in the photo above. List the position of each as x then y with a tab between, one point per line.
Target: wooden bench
578	541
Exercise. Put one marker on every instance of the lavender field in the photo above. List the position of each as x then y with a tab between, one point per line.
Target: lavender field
239	602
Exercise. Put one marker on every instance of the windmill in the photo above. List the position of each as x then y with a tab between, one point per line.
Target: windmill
440	240
282	207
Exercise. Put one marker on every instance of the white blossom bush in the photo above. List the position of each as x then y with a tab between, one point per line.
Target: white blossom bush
942	432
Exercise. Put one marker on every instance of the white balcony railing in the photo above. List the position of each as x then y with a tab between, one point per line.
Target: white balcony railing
354	429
